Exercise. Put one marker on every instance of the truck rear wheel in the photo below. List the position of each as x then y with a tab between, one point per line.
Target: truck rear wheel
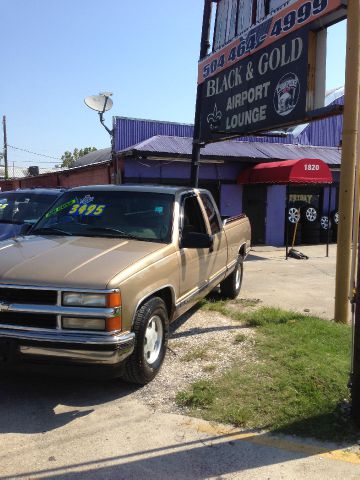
151	333
230	287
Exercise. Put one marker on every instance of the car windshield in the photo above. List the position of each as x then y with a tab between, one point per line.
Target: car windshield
129	214
21	207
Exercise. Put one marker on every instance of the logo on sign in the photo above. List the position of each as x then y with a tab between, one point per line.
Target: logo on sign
287	93
214	118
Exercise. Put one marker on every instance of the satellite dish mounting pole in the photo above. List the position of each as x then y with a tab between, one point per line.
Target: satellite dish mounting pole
102	103
117	173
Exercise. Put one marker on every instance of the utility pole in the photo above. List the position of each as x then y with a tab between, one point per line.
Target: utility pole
348	164
5	149
204	47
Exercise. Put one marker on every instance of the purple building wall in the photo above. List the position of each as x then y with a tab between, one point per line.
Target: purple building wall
145	169
275	214
131	131
231	200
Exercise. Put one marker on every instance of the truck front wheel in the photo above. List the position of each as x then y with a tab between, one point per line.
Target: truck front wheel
151	332
230	287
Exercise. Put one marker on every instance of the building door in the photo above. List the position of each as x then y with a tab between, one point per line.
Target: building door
254	205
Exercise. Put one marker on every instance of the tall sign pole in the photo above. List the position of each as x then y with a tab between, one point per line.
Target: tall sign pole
5	149
348	163
204	47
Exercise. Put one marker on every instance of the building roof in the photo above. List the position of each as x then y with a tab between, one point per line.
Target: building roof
161	146
102	155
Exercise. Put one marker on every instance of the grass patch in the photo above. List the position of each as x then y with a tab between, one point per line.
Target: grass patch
202	395
239	338
298	385
198	353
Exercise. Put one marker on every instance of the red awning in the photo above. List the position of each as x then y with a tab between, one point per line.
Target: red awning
305	170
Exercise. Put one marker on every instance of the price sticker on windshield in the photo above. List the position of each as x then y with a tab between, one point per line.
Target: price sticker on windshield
90	210
3	206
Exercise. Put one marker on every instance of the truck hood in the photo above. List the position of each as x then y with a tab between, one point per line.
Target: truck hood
72	262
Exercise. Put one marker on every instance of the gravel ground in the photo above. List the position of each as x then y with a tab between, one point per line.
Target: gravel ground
201	346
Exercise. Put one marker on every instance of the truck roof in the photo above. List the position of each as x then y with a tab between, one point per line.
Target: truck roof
170	189
51	191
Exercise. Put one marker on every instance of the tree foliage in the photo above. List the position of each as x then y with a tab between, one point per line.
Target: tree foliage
69	158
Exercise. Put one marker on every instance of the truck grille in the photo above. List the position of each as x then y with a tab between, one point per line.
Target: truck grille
35	320
31	296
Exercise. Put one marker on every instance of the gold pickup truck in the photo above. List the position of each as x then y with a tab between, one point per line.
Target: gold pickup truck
101	275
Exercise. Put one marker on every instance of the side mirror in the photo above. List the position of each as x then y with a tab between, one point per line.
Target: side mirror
196	240
25	228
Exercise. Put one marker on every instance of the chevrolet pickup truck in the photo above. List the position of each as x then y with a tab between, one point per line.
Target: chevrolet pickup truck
97	280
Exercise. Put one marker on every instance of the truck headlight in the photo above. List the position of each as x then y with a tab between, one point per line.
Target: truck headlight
112	324
77	323
76	299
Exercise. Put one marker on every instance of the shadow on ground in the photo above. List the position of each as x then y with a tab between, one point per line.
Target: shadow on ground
27	403
209	457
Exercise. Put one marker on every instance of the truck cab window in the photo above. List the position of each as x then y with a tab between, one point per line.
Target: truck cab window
193	220
211	213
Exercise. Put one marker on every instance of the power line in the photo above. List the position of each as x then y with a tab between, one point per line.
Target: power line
33	153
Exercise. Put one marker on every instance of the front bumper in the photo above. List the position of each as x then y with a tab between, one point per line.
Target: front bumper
64	348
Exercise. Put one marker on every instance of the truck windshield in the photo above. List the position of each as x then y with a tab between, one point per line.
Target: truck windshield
130	214
21	207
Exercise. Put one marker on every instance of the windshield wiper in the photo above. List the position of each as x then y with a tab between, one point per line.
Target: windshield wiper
115	230
49	230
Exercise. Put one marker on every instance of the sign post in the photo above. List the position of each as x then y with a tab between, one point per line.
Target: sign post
348	165
204	47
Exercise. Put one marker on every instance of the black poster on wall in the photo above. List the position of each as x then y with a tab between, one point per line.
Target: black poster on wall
264	91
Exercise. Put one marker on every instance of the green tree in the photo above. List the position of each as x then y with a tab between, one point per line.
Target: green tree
69	158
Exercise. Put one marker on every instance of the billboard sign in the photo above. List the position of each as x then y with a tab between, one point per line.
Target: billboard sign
261	92
281	22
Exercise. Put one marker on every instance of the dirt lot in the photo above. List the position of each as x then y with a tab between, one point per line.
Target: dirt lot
202	344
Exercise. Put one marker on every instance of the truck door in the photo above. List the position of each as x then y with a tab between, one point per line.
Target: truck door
194	265
218	256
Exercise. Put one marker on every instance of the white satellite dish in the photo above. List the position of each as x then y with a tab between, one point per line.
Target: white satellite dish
100	103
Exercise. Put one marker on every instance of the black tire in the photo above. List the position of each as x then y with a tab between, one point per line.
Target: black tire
137	368
231	286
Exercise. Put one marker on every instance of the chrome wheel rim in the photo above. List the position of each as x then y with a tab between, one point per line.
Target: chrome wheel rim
153	339
325	224
311	214
294	215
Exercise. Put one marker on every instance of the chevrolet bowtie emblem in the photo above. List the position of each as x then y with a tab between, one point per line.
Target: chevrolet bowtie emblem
4	307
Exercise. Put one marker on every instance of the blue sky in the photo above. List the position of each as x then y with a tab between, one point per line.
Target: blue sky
56	52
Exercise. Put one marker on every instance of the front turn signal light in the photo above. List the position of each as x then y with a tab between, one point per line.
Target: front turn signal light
113	324
113	300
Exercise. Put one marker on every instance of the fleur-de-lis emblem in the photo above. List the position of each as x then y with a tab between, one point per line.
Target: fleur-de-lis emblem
214	118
